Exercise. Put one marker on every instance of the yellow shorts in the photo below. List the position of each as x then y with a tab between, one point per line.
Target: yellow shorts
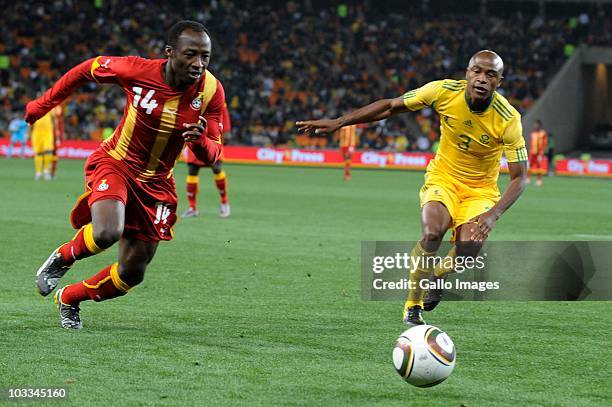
462	201
42	142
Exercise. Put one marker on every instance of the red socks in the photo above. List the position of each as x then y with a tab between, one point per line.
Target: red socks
221	182
103	286
347	169
192	190
81	246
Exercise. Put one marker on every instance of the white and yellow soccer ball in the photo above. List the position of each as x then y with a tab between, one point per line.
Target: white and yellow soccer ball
424	356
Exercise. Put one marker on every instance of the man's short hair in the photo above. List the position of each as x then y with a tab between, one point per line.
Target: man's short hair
177	29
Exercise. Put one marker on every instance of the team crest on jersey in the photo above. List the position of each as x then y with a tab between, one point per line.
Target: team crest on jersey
484	139
103	186
196	103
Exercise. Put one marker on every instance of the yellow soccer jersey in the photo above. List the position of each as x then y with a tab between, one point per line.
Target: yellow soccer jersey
43	127
471	143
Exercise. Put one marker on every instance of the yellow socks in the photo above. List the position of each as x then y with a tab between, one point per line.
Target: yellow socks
447	266
422	271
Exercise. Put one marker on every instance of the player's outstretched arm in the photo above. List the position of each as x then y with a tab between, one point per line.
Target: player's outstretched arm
486	221
381	109
67	84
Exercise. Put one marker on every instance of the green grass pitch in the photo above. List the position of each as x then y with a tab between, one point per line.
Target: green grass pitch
264	308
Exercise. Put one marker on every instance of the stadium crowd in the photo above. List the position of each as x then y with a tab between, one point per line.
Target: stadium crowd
286	61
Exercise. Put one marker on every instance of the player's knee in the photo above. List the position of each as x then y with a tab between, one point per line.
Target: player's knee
432	234
193	169
132	275
107	236
465	233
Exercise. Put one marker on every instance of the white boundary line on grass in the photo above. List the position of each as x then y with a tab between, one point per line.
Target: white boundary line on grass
591	236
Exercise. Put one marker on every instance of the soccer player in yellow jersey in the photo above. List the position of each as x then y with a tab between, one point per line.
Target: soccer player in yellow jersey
460	191
43	146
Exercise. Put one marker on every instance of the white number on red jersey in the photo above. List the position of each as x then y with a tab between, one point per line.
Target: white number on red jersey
147	102
162	213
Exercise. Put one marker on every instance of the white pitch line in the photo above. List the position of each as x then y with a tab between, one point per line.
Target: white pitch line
588	236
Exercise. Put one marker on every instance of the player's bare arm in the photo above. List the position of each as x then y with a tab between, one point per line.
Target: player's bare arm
484	223
379	110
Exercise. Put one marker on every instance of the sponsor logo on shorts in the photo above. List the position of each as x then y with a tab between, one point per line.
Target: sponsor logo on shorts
103	186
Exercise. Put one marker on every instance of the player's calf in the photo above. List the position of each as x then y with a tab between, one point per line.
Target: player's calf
434	293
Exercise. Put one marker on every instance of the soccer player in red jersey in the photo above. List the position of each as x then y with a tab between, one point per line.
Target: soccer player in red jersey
130	193
538	145
193	181
348	141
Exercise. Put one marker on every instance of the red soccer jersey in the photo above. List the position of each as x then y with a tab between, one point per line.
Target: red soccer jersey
148	139
539	142
227	123
348	136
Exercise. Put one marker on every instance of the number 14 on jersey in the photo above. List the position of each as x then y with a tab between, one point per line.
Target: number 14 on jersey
147	102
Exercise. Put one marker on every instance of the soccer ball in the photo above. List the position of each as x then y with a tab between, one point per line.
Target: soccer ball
424	356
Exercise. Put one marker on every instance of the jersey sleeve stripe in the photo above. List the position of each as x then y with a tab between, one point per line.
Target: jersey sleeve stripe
210	88
94	65
503	108
454	85
452	88
503	114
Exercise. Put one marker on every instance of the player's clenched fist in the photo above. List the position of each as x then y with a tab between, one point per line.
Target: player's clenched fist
196	130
